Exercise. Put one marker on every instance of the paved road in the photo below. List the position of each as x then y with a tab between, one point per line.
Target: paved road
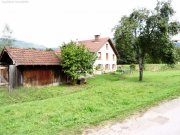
161	120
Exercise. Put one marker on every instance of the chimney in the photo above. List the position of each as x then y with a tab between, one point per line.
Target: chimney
77	41
97	38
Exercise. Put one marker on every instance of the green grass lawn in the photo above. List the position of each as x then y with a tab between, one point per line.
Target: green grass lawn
70	109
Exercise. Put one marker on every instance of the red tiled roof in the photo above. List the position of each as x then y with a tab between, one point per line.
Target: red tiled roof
95	46
32	57
57	52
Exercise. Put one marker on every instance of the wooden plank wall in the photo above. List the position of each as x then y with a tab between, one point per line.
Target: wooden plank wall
41	76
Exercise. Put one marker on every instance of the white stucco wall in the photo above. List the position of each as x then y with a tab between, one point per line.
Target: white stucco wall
103	60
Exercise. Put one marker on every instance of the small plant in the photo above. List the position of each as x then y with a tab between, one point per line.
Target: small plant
98	67
132	67
119	70
167	67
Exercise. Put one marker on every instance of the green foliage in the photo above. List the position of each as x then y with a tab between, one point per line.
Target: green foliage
146	34
32	48
119	70
158	67
76	59
123	38
49	49
132	67
98	67
177	54
71	109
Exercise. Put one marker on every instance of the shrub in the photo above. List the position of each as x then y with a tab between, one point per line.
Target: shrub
77	60
119	70
132	67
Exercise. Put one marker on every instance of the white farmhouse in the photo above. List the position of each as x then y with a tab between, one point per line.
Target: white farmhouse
106	53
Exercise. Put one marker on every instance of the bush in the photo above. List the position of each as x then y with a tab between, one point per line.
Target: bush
132	67
119	70
167	67
77	60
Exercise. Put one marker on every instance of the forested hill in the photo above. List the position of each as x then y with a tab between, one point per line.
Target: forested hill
23	44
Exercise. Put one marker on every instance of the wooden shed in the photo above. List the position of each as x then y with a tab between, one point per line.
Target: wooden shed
28	67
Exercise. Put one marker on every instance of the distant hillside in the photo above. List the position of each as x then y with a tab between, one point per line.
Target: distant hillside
23	44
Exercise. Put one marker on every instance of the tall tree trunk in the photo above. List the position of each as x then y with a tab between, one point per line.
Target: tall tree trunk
140	68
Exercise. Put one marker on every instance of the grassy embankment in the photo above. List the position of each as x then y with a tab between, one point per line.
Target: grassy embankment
70	109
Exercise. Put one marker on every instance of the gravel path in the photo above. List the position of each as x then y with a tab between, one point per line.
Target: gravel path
161	120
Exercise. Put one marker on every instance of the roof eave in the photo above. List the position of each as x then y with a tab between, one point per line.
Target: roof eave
6	50
114	48
38	64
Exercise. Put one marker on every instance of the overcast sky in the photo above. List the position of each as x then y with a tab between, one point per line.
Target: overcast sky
51	22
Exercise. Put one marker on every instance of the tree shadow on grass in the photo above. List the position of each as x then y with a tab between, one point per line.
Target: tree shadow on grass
112	77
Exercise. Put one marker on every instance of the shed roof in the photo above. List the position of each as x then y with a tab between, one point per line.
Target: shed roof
21	56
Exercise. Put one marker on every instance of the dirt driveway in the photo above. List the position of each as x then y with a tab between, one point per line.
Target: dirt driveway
161	120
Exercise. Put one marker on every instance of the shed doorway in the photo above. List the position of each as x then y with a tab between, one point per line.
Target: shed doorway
4	76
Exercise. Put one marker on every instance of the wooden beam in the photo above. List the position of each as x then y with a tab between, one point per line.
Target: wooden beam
12	77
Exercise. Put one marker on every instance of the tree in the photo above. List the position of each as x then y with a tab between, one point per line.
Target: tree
77	60
123	38
6	39
150	34
178	54
49	49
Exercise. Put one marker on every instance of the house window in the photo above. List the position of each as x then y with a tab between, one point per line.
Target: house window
106	56
113	57
107	67
106	46
113	66
99	67
99	55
